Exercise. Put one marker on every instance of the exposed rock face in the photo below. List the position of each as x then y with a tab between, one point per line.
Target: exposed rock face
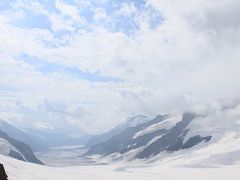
173	139
195	140
3	175
124	141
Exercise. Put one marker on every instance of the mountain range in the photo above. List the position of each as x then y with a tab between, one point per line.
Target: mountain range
164	133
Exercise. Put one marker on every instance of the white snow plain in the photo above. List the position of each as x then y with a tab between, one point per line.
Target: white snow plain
217	161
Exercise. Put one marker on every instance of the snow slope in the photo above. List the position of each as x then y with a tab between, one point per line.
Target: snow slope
218	161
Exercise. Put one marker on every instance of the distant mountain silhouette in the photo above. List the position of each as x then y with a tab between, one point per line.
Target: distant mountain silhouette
24	153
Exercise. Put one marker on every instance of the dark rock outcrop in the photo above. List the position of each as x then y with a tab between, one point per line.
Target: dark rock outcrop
173	139
195	140
3	175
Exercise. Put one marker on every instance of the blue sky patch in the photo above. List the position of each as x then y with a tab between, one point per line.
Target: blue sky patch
117	23
50	68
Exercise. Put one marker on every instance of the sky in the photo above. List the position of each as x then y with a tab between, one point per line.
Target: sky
87	65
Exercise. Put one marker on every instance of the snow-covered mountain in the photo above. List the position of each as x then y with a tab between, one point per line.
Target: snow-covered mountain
167	134
146	139
16	149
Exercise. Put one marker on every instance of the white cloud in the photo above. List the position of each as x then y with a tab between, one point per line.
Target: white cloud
99	14
68	10
192	58
128	9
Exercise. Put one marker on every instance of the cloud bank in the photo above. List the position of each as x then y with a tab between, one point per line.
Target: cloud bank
95	63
